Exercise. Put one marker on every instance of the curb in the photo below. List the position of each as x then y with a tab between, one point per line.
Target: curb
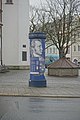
45	96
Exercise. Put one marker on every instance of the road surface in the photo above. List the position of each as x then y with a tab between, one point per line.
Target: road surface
36	108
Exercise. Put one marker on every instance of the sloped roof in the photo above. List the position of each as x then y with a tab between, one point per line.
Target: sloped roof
63	63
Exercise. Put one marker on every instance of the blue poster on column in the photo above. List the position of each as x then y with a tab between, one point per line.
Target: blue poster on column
37	59
37	56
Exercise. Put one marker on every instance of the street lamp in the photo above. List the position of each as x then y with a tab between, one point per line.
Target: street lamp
1	28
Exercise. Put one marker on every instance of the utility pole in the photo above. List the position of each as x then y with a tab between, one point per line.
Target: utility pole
1	28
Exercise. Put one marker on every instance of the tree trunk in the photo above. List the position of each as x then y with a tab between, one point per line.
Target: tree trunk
61	53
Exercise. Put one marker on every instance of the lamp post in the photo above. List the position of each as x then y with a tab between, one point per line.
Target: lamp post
1	47
1	28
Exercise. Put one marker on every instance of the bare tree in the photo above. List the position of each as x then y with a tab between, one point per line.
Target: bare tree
57	20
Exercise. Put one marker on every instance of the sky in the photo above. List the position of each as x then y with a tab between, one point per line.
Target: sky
35	2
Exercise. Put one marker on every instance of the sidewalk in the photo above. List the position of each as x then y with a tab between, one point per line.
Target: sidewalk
15	83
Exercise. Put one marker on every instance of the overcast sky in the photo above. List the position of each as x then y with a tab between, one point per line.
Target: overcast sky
35	2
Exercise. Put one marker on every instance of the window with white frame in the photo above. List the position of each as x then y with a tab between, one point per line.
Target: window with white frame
24	56
79	35
0	54
0	31
78	47
47	50
54	49
74	48
50	50
69	50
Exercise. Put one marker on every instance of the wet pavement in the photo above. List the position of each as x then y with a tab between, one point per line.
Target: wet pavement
16	83
38	108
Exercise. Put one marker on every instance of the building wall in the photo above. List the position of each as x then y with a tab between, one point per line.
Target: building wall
51	50
74	51
62	72
15	32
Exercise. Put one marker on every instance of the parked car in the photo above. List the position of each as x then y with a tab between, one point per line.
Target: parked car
50	59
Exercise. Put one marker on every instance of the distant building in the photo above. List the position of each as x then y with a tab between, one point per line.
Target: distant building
74	49
74	53
51	50
15	42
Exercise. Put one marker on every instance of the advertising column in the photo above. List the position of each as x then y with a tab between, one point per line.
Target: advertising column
37	59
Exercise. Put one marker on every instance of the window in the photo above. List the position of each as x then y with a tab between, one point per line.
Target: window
47	50
0	17
24	46
53	49
0	54
0	4
68	50
78	47
74	48
0	31
24	56
9	1
50	50
79	35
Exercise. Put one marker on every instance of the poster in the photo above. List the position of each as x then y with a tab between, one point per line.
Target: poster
37	56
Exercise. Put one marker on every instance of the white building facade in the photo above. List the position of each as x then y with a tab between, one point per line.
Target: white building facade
74	53
15	33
